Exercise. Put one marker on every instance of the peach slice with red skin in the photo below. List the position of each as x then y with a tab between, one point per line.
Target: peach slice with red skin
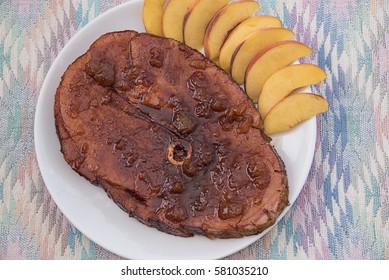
240	32
196	20
270	60
173	18
253	45
223	22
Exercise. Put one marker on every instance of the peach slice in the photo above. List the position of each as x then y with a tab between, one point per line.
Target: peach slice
292	110
285	81
152	13
239	33
197	19
173	18
223	22
270	60
252	45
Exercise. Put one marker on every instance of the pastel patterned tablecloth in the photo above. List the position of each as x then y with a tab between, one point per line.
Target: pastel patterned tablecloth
343	210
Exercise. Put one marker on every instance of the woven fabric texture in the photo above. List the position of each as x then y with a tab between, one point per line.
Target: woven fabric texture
343	209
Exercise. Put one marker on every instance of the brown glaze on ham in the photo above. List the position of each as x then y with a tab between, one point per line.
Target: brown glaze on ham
170	137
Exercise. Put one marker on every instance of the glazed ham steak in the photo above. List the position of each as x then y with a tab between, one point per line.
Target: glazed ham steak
170	137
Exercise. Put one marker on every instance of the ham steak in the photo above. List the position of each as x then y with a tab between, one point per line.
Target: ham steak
170	137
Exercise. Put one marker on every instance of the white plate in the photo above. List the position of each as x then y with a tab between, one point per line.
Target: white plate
90	210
